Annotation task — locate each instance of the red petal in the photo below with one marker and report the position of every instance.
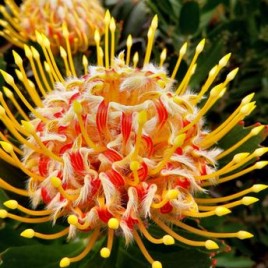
(162, 113)
(116, 179)
(45, 195)
(112, 155)
(77, 162)
(126, 125)
(101, 117)
(104, 214)
(167, 208)
(43, 165)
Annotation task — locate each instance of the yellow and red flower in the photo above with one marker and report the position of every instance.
(121, 147)
(80, 17)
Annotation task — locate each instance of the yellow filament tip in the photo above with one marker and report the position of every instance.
(244, 235)
(7, 146)
(11, 204)
(134, 165)
(142, 117)
(209, 244)
(28, 233)
(113, 223)
(72, 220)
(256, 130)
(179, 140)
(232, 74)
(172, 194)
(17, 58)
(239, 157)
(105, 252)
(259, 187)
(154, 22)
(168, 240)
(28, 126)
(77, 107)
(248, 200)
(200, 46)
(183, 49)
(3, 213)
(223, 61)
(65, 262)
(156, 264)
(220, 211)
(55, 181)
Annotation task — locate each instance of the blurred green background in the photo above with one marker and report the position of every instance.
(236, 26)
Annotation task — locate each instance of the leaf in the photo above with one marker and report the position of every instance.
(41, 256)
(230, 261)
(189, 18)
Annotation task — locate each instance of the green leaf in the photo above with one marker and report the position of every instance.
(189, 18)
(230, 261)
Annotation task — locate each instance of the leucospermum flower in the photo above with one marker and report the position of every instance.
(121, 147)
(80, 17)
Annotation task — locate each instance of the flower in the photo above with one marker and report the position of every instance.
(121, 147)
(81, 18)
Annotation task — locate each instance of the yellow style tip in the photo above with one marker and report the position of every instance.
(97, 36)
(113, 223)
(8, 78)
(172, 194)
(63, 52)
(200, 46)
(65, 262)
(17, 58)
(224, 60)
(239, 157)
(129, 40)
(112, 25)
(248, 98)
(221, 211)
(134, 165)
(259, 187)
(156, 264)
(179, 140)
(105, 252)
(183, 49)
(3, 213)
(28, 126)
(248, 200)
(77, 107)
(168, 240)
(11, 204)
(210, 245)
(6, 146)
(256, 130)
(154, 22)
(9, 94)
(261, 164)
(72, 220)
(107, 17)
(244, 235)
(55, 181)
(260, 151)
(28, 233)
(27, 51)
(232, 74)
(142, 117)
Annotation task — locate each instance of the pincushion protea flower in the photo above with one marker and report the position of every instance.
(80, 17)
(121, 147)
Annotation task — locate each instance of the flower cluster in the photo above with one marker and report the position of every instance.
(81, 18)
(121, 147)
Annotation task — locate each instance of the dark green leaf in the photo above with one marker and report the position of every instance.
(189, 18)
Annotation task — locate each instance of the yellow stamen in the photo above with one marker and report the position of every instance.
(150, 36)
(9, 94)
(30, 233)
(129, 45)
(211, 245)
(36, 57)
(184, 83)
(254, 132)
(67, 261)
(181, 54)
(56, 182)
(257, 165)
(142, 247)
(9, 149)
(9, 79)
(63, 55)
(4, 185)
(113, 223)
(135, 59)
(66, 36)
(13, 204)
(106, 251)
(31, 130)
(170, 195)
(240, 234)
(107, 19)
(29, 55)
(218, 211)
(5, 214)
(163, 57)
(112, 29)
(134, 166)
(78, 110)
(179, 140)
(255, 188)
(85, 64)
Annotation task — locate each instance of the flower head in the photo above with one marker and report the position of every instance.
(81, 18)
(121, 147)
